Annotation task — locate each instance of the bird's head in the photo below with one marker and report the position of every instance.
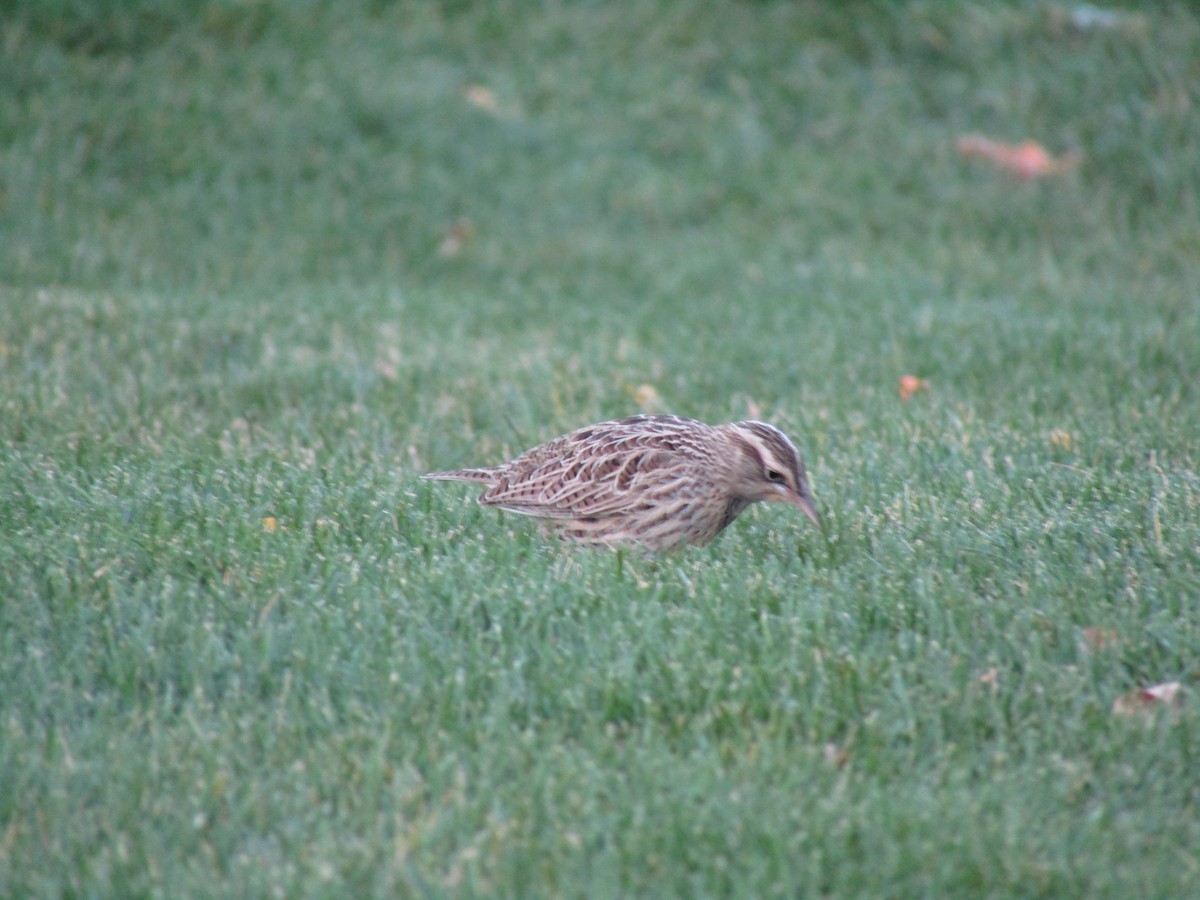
(769, 467)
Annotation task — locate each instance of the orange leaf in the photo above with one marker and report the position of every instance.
(1060, 440)
(1027, 160)
(647, 397)
(910, 384)
(269, 524)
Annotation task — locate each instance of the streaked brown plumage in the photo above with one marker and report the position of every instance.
(659, 481)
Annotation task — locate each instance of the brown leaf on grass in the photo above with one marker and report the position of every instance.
(910, 384)
(1094, 640)
(1060, 440)
(990, 677)
(1027, 160)
(485, 99)
(454, 239)
(647, 397)
(836, 756)
(1146, 702)
(269, 524)
(482, 97)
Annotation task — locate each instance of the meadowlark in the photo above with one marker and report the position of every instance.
(661, 482)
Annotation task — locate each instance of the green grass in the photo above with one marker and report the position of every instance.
(222, 305)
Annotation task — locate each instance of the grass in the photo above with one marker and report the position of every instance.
(243, 650)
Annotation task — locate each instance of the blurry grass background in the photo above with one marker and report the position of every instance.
(262, 263)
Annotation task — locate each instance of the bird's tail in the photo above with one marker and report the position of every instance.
(480, 476)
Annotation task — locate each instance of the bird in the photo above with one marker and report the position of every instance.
(659, 482)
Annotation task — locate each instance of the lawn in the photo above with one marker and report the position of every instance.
(263, 264)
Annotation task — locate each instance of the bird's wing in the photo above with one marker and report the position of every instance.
(582, 478)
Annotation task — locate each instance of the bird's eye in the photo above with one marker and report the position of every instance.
(775, 476)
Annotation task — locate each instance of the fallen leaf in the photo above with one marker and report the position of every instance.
(990, 677)
(269, 524)
(1147, 701)
(482, 97)
(1096, 639)
(1027, 160)
(910, 384)
(1060, 439)
(1167, 692)
(454, 239)
(647, 397)
(836, 756)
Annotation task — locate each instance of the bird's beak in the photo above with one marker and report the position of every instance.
(803, 501)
